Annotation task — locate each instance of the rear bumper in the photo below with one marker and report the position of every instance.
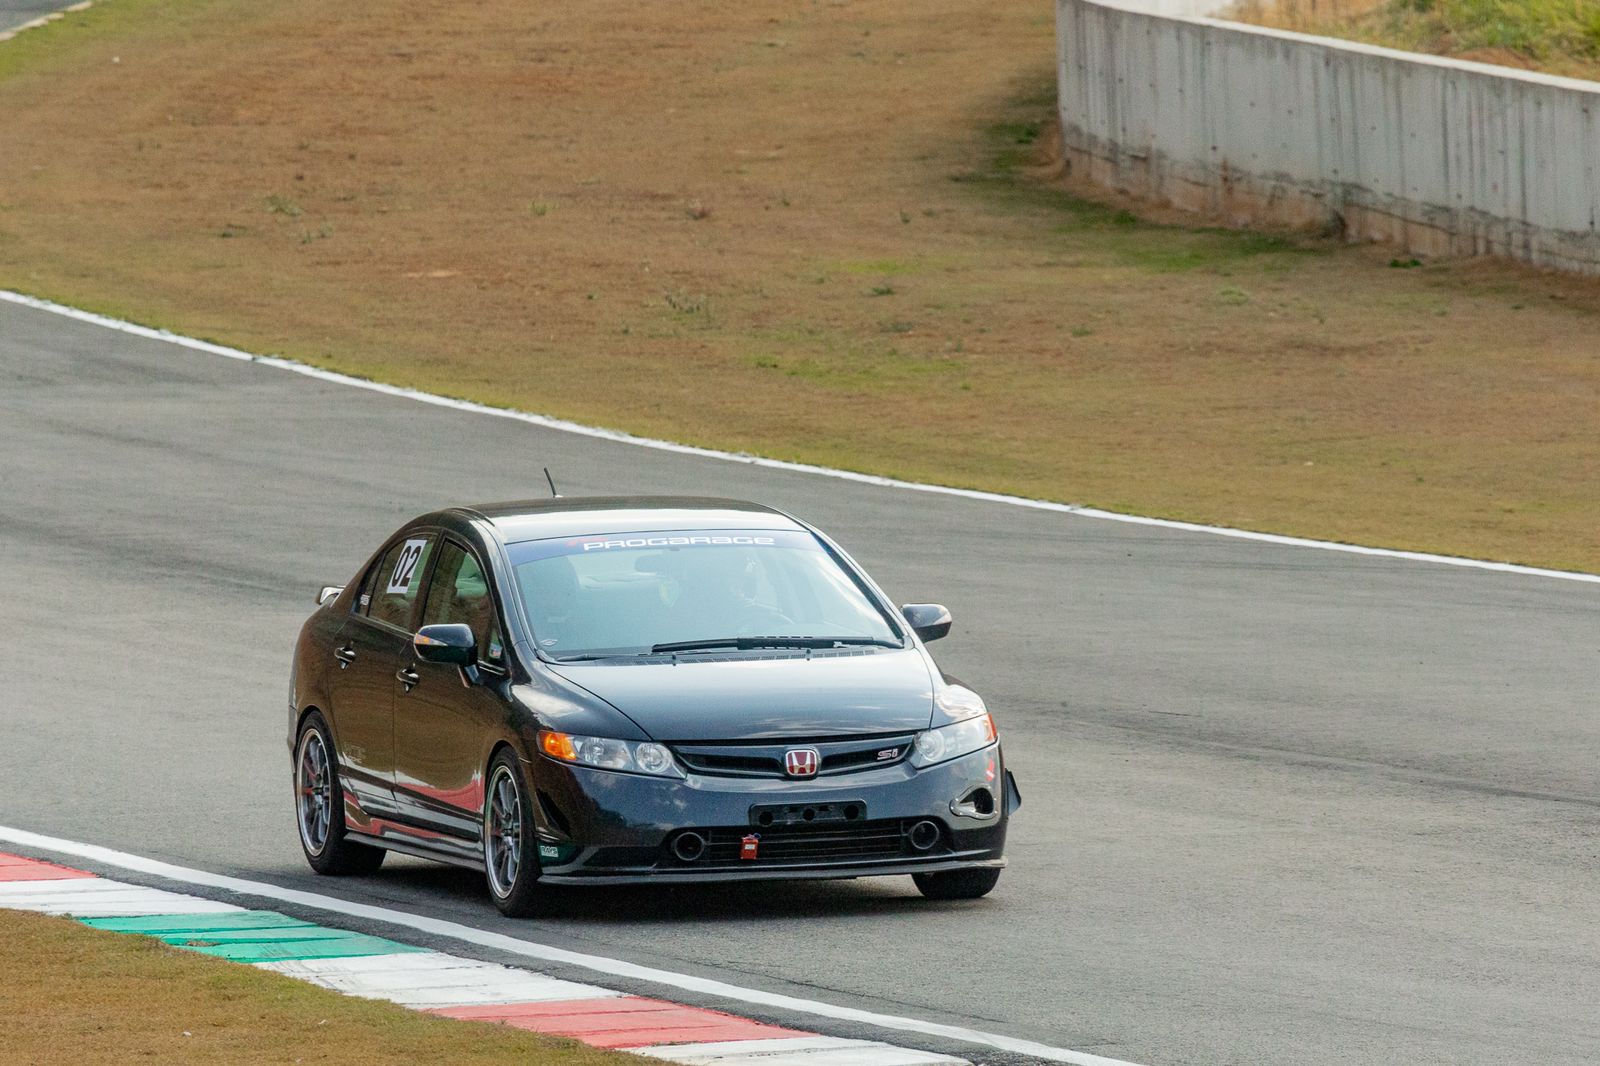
(599, 827)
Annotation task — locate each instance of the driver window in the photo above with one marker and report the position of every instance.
(460, 595)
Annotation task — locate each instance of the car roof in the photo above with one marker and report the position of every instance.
(571, 516)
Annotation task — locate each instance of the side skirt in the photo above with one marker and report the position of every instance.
(462, 854)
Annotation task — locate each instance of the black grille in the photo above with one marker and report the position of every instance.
(766, 760)
(791, 844)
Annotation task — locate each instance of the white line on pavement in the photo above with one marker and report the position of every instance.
(774, 464)
(43, 20)
(528, 949)
(796, 1051)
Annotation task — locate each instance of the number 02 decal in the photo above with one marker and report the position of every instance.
(406, 565)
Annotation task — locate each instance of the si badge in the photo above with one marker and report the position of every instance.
(750, 847)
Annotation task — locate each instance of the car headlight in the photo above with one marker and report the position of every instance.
(635, 757)
(953, 741)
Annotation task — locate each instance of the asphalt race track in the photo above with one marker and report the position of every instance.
(1283, 806)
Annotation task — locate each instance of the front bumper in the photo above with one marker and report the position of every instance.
(600, 827)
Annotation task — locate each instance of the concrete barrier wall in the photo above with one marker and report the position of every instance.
(1256, 125)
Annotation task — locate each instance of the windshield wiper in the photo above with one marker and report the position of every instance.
(748, 643)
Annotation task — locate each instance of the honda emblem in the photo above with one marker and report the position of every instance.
(801, 762)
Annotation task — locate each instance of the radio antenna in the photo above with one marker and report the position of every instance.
(553, 493)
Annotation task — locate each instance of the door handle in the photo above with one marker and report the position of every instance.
(408, 677)
(346, 655)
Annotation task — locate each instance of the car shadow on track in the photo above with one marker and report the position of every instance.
(674, 903)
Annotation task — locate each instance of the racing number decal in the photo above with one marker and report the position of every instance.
(406, 565)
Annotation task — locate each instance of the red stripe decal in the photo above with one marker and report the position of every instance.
(16, 868)
(622, 1021)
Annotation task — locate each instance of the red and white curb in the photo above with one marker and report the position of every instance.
(432, 980)
(30, 885)
(444, 984)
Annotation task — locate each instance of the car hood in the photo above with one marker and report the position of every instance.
(763, 697)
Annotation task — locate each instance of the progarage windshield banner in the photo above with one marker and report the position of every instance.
(529, 551)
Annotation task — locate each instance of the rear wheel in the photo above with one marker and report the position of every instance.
(958, 884)
(319, 806)
(510, 852)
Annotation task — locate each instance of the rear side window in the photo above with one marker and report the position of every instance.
(393, 596)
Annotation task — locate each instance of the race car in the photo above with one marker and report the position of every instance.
(619, 690)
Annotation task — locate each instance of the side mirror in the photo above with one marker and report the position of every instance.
(451, 644)
(327, 593)
(930, 620)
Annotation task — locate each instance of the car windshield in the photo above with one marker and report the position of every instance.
(631, 593)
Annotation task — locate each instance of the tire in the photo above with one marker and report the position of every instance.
(958, 884)
(319, 806)
(510, 848)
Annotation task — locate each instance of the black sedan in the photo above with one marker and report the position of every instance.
(615, 690)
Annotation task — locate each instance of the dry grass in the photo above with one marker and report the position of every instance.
(1301, 15)
(1557, 36)
(809, 230)
(75, 996)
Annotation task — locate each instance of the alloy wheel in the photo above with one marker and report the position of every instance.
(502, 832)
(314, 787)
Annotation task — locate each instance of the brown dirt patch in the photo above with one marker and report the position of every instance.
(801, 230)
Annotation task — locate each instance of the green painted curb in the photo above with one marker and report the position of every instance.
(347, 946)
(164, 924)
(252, 936)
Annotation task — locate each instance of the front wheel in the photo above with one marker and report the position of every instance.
(958, 884)
(510, 850)
(319, 807)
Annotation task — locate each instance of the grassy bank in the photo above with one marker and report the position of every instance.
(826, 233)
(1557, 36)
(76, 996)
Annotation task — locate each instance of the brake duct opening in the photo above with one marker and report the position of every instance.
(978, 802)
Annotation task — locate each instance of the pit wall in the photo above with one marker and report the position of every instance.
(1252, 125)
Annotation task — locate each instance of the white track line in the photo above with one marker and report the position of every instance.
(43, 20)
(527, 949)
(773, 464)
(797, 1051)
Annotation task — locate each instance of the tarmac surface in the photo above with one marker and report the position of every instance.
(1282, 805)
